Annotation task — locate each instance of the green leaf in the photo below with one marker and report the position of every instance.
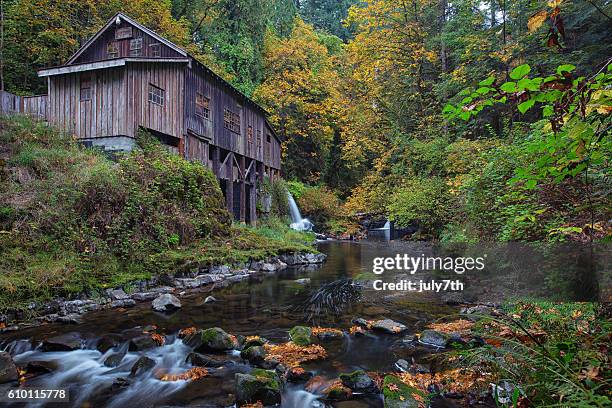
(530, 184)
(565, 68)
(520, 71)
(449, 109)
(528, 84)
(524, 106)
(487, 82)
(466, 100)
(465, 115)
(547, 111)
(483, 90)
(508, 87)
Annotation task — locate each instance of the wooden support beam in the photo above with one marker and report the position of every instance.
(253, 193)
(215, 161)
(229, 186)
(243, 196)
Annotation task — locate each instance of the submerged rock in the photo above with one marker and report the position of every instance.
(107, 342)
(433, 338)
(8, 370)
(114, 359)
(142, 343)
(216, 339)
(141, 366)
(397, 394)
(259, 385)
(388, 326)
(40, 367)
(203, 360)
(166, 303)
(359, 381)
(65, 342)
(301, 335)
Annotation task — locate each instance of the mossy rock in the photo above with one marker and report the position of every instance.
(338, 392)
(216, 339)
(434, 338)
(301, 335)
(399, 395)
(259, 385)
(254, 341)
(254, 354)
(359, 381)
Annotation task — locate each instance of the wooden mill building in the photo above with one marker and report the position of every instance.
(127, 77)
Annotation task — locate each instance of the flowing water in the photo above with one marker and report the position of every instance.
(267, 306)
(297, 221)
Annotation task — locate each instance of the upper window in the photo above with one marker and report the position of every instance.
(155, 50)
(112, 50)
(250, 135)
(231, 121)
(202, 106)
(123, 33)
(135, 47)
(268, 138)
(85, 88)
(156, 95)
(259, 140)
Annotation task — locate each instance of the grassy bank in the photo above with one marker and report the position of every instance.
(72, 220)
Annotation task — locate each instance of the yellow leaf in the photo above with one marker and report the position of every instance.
(536, 20)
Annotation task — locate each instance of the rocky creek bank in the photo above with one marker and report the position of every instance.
(163, 290)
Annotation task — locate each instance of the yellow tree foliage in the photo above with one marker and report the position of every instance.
(301, 90)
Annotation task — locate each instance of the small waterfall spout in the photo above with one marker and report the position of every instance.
(297, 222)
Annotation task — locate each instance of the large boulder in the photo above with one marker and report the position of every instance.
(388, 326)
(141, 366)
(358, 381)
(216, 339)
(8, 370)
(301, 335)
(259, 385)
(397, 394)
(64, 342)
(254, 354)
(107, 342)
(166, 303)
(114, 359)
(433, 338)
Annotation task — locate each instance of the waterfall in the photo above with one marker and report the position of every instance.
(297, 222)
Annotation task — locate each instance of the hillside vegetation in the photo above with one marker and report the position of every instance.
(73, 220)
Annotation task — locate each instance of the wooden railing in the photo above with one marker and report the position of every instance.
(35, 106)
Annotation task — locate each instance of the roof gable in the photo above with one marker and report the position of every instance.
(116, 20)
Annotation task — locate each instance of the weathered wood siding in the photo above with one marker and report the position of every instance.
(101, 115)
(139, 112)
(222, 97)
(196, 149)
(35, 106)
(98, 50)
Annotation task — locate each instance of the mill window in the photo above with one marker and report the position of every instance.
(136, 47)
(231, 121)
(155, 49)
(85, 89)
(156, 95)
(250, 135)
(112, 50)
(202, 106)
(123, 33)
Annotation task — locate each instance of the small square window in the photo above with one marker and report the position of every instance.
(85, 89)
(268, 138)
(250, 135)
(136, 47)
(112, 50)
(156, 95)
(155, 50)
(231, 121)
(202, 106)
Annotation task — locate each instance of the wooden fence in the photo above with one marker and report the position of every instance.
(35, 106)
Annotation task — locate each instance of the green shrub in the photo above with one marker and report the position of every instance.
(320, 205)
(425, 202)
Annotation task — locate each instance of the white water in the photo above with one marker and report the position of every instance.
(85, 374)
(297, 222)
